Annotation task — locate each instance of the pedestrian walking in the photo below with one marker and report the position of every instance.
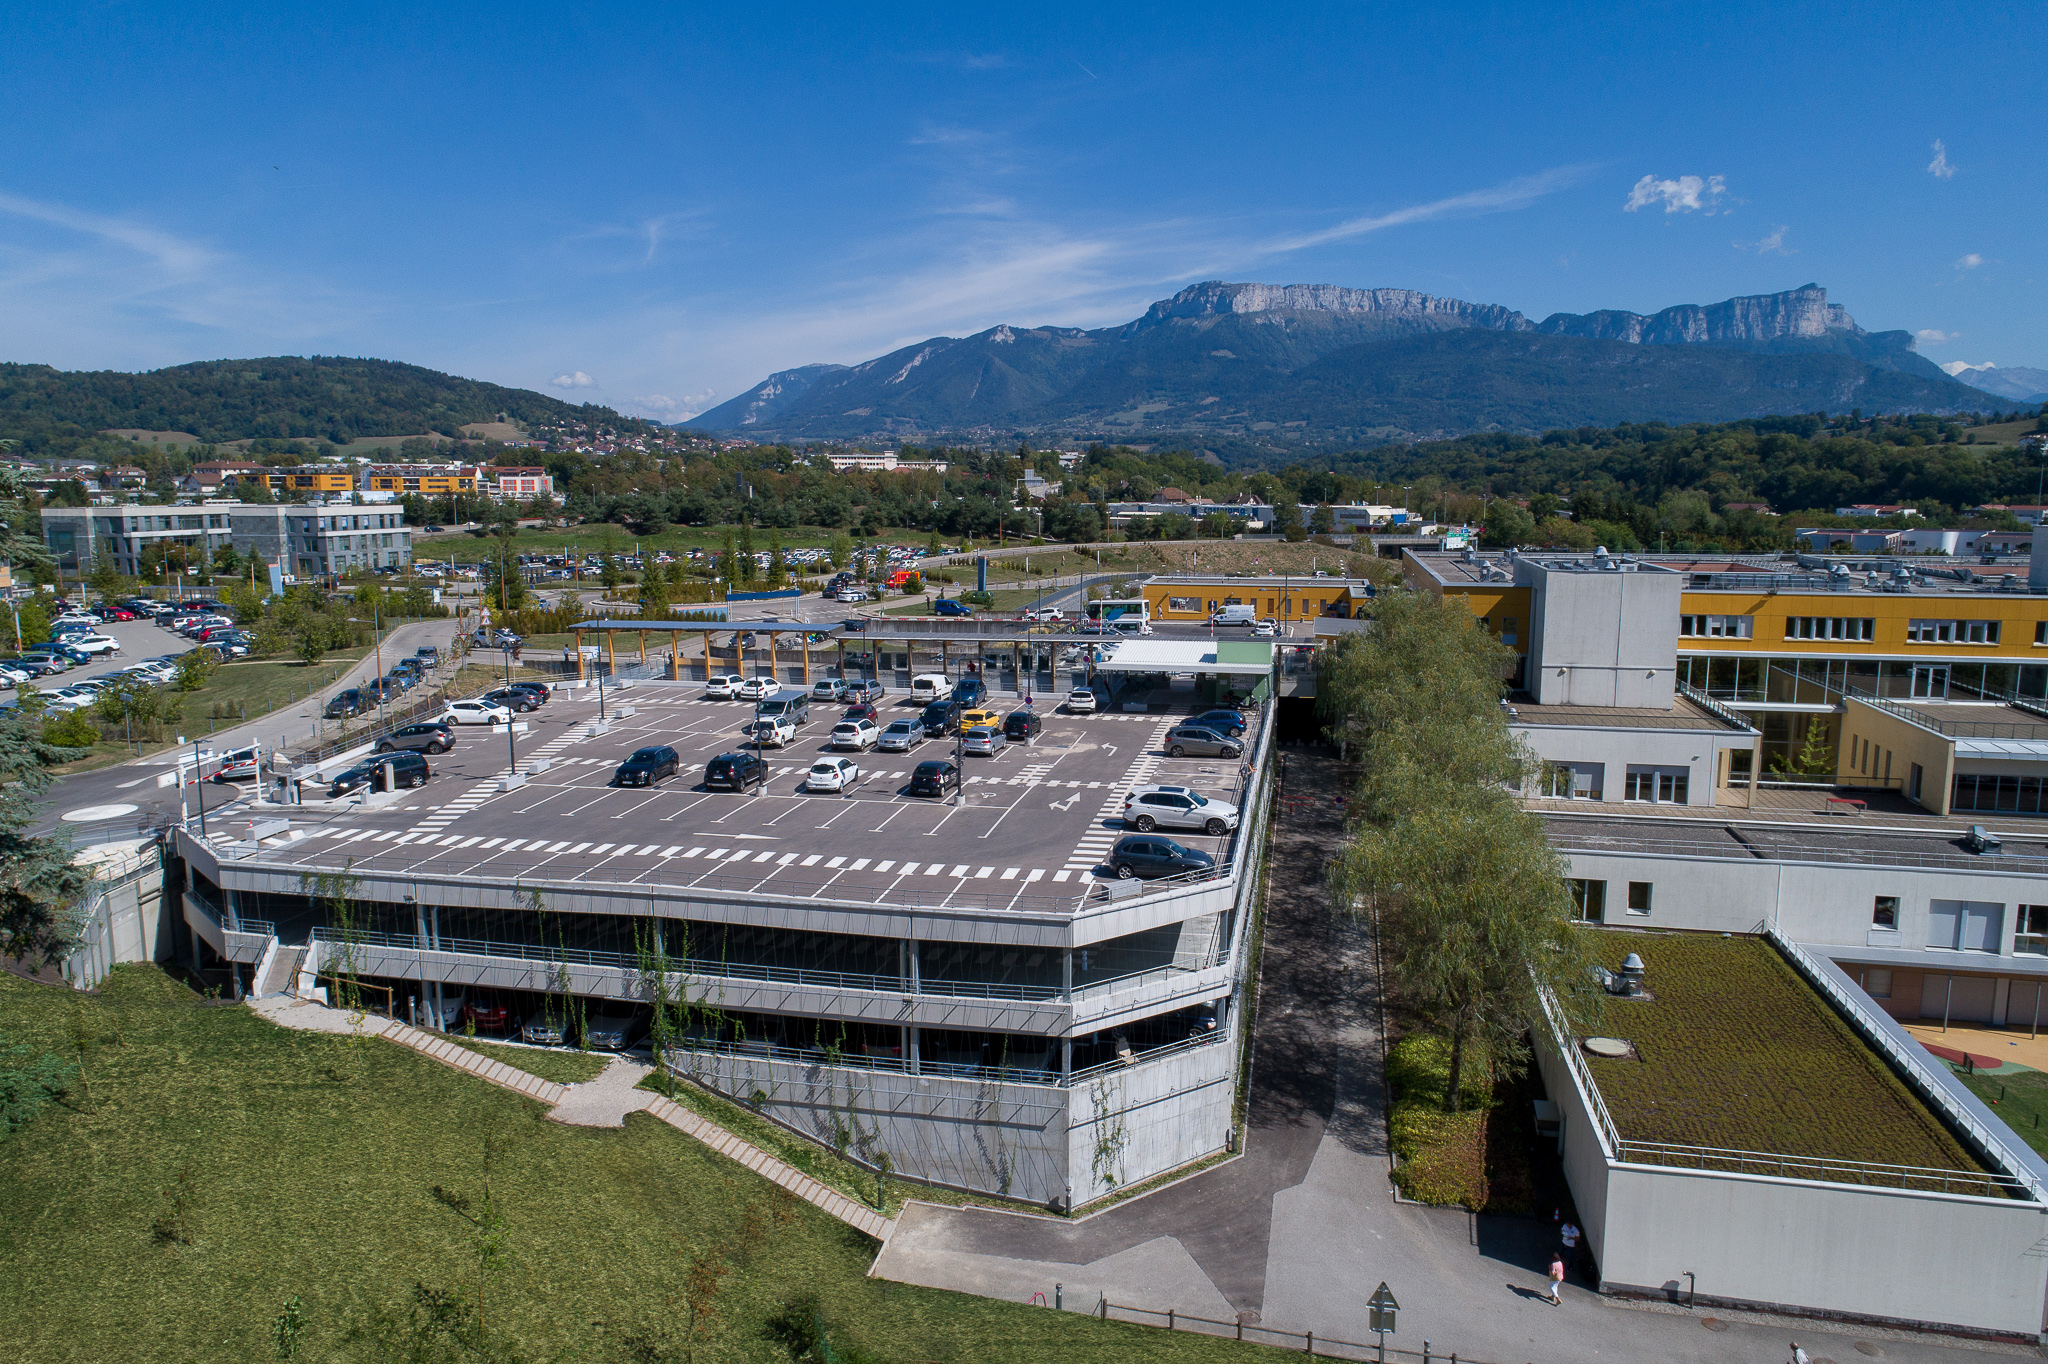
(1568, 1235)
(1800, 1356)
(1557, 1282)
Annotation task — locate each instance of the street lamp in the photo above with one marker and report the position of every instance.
(376, 624)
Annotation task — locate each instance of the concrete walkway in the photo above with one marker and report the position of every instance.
(1296, 1234)
(602, 1102)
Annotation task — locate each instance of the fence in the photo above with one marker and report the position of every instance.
(97, 950)
(1754, 845)
(1308, 1342)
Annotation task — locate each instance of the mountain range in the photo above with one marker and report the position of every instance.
(1240, 365)
(2016, 383)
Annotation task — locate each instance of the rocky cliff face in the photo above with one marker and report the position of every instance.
(1214, 298)
(1801, 312)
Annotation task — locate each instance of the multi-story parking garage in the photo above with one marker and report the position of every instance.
(959, 985)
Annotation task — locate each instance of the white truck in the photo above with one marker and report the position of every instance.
(1239, 614)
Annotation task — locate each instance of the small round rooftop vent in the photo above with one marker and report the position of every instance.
(1613, 1048)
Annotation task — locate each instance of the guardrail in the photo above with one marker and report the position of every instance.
(1905, 1056)
(1822, 1169)
(1567, 1046)
(1304, 1342)
(1726, 715)
(1956, 729)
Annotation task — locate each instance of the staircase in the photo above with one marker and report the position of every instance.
(283, 972)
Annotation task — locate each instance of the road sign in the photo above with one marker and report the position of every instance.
(1381, 1308)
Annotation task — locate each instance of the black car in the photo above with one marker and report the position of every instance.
(407, 769)
(1150, 855)
(1021, 725)
(347, 703)
(934, 778)
(381, 691)
(1228, 723)
(735, 772)
(541, 690)
(968, 691)
(941, 718)
(428, 737)
(648, 766)
(514, 699)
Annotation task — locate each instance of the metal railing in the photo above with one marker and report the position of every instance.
(1567, 1047)
(1303, 1342)
(1733, 718)
(819, 1056)
(1905, 1055)
(1758, 847)
(1139, 1058)
(1957, 729)
(1822, 1169)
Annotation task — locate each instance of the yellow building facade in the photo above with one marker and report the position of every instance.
(1194, 598)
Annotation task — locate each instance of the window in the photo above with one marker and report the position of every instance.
(1831, 627)
(1877, 982)
(1639, 897)
(1572, 781)
(1589, 900)
(1717, 627)
(1184, 603)
(1507, 629)
(2008, 795)
(2041, 632)
(1664, 785)
(1965, 925)
(1957, 632)
(1884, 912)
(2030, 930)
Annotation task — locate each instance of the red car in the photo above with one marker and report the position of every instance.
(862, 711)
(116, 613)
(488, 1014)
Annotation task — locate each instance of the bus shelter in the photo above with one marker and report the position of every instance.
(1155, 674)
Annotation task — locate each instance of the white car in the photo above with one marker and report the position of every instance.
(724, 687)
(831, 774)
(1177, 807)
(12, 677)
(1265, 629)
(155, 669)
(95, 644)
(756, 688)
(901, 736)
(859, 735)
(1045, 613)
(69, 698)
(850, 595)
(773, 731)
(1080, 701)
(477, 713)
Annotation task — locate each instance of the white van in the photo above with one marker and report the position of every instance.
(1243, 614)
(926, 688)
(1130, 627)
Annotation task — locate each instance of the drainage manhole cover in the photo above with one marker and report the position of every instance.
(1713, 1323)
(1870, 1348)
(87, 814)
(1607, 1046)
(1247, 1318)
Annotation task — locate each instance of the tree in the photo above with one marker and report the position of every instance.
(39, 887)
(1322, 521)
(1507, 524)
(1816, 756)
(654, 599)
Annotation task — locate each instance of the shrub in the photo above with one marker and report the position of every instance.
(75, 729)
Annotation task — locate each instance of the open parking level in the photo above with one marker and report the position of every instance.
(1031, 823)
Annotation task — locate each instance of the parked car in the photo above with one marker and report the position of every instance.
(95, 644)
(900, 736)
(868, 690)
(477, 712)
(1080, 701)
(773, 731)
(1045, 613)
(514, 699)
(724, 686)
(1228, 723)
(543, 1031)
(735, 772)
(485, 1013)
(940, 718)
(946, 606)
(934, 778)
(859, 735)
(648, 766)
(986, 739)
(1153, 856)
(862, 711)
(613, 1028)
(1021, 726)
(1177, 807)
(853, 594)
(976, 717)
(755, 688)
(929, 687)
(430, 736)
(380, 692)
(831, 774)
(407, 769)
(1199, 741)
(829, 689)
(429, 654)
(1265, 629)
(12, 676)
(969, 690)
(347, 703)
(542, 692)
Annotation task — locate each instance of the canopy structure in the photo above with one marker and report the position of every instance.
(1204, 657)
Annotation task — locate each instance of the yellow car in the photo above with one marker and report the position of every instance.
(980, 719)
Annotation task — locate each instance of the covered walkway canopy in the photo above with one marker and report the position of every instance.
(1212, 657)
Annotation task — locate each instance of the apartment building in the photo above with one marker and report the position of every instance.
(524, 481)
(429, 480)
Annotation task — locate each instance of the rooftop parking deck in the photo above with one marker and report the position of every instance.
(1028, 831)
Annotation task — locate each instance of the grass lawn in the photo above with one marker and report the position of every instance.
(563, 1067)
(1477, 1158)
(2021, 1098)
(1737, 1052)
(307, 1166)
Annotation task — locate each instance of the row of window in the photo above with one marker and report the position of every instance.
(2007, 795)
(1969, 925)
(1856, 629)
(1589, 900)
(1587, 781)
(1820, 681)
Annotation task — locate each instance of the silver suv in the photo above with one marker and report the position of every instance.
(1177, 807)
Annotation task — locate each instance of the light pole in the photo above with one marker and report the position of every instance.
(376, 624)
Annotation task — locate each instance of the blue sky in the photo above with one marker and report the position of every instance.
(653, 207)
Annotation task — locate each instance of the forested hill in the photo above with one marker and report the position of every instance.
(286, 397)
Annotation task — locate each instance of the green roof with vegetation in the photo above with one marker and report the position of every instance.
(1734, 1050)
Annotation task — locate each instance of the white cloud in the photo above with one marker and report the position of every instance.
(1774, 244)
(1969, 262)
(1931, 336)
(1955, 367)
(1686, 194)
(1512, 194)
(662, 407)
(573, 379)
(1939, 167)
